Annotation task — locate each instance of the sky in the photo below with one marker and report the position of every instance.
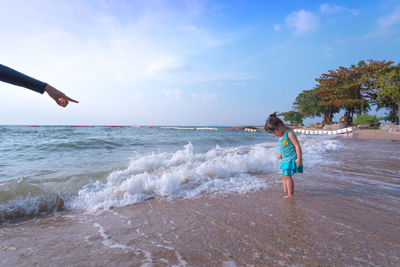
(183, 62)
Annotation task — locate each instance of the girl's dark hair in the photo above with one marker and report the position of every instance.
(273, 123)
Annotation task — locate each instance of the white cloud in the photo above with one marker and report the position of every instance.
(205, 95)
(331, 9)
(172, 93)
(390, 19)
(302, 21)
(204, 37)
(327, 8)
(385, 25)
(168, 64)
(137, 95)
(210, 95)
(277, 27)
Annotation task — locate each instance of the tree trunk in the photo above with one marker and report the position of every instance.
(398, 112)
(324, 117)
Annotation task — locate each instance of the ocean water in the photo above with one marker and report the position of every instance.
(52, 168)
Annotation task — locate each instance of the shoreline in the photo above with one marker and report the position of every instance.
(366, 134)
(347, 215)
(357, 133)
(315, 228)
(376, 135)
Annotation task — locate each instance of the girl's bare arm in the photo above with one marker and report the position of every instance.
(293, 138)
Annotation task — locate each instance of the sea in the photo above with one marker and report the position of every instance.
(194, 196)
(48, 169)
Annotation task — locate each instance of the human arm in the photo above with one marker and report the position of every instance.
(293, 139)
(279, 156)
(14, 77)
(58, 96)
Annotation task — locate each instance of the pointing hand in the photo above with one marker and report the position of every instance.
(58, 96)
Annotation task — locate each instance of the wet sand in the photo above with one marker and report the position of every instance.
(348, 214)
(376, 134)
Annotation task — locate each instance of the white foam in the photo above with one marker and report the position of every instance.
(185, 174)
(314, 148)
(181, 174)
(107, 240)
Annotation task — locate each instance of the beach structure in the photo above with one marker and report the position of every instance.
(340, 131)
(250, 130)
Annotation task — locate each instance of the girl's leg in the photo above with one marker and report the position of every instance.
(289, 185)
(284, 184)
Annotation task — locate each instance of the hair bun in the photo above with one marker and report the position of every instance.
(273, 115)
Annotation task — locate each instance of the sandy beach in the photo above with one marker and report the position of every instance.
(376, 134)
(348, 215)
(358, 133)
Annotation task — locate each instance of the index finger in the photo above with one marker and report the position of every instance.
(72, 100)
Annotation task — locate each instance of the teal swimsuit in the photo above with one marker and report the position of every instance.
(289, 156)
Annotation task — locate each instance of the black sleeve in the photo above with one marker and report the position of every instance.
(9, 75)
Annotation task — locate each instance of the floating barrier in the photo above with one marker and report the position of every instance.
(250, 130)
(178, 128)
(207, 129)
(340, 131)
(190, 128)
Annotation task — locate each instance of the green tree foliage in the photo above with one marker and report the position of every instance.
(308, 103)
(387, 80)
(341, 88)
(353, 89)
(392, 115)
(328, 108)
(293, 117)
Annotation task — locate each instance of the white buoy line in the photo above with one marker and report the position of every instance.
(340, 131)
(303, 131)
(191, 128)
(250, 130)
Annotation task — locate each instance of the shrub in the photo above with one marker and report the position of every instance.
(366, 118)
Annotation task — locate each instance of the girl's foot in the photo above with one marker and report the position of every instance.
(288, 196)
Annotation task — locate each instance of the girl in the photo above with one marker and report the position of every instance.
(289, 152)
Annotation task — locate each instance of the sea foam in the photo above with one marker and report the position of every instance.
(183, 174)
(179, 174)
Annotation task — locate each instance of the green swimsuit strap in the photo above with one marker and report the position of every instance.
(287, 132)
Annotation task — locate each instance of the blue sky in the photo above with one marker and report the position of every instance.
(182, 62)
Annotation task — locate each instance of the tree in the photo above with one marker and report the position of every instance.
(294, 117)
(328, 107)
(388, 84)
(308, 103)
(371, 74)
(353, 89)
(341, 88)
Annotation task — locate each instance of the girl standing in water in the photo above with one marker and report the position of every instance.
(289, 152)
